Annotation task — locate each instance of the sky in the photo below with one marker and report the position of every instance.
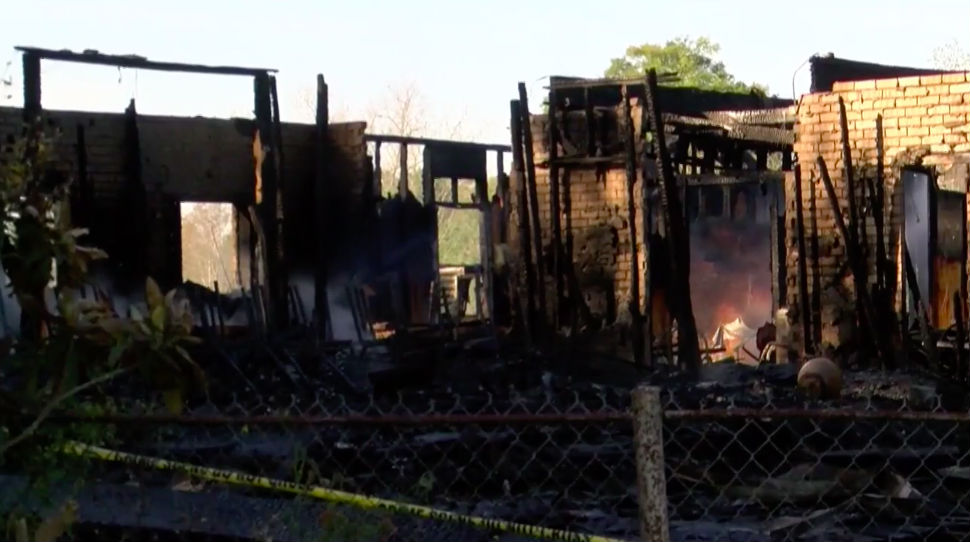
(464, 57)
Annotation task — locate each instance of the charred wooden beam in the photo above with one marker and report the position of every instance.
(502, 189)
(378, 172)
(853, 253)
(276, 306)
(530, 177)
(631, 181)
(676, 235)
(803, 302)
(646, 204)
(382, 138)
(32, 106)
(848, 177)
(320, 218)
(816, 269)
(922, 311)
(139, 251)
(554, 211)
(281, 287)
(856, 227)
(402, 175)
(525, 233)
(885, 276)
(778, 115)
(589, 160)
(731, 177)
(133, 61)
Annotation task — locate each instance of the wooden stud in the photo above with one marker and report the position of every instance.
(631, 180)
(689, 349)
(321, 303)
(856, 263)
(530, 178)
(803, 302)
(402, 177)
(554, 211)
(527, 301)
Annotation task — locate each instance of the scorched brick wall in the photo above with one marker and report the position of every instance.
(595, 230)
(925, 122)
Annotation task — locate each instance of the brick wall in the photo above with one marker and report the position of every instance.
(209, 160)
(925, 121)
(595, 230)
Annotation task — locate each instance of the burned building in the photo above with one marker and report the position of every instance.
(587, 160)
(310, 226)
(904, 139)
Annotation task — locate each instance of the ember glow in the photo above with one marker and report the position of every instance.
(730, 275)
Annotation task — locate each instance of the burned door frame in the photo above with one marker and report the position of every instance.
(912, 240)
(930, 283)
(458, 161)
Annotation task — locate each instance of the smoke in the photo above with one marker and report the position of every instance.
(730, 271)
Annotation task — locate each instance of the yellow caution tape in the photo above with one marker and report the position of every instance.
(331, 495)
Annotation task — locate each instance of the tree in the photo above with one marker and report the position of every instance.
(951, 56)
(208, 245)
(693, 61)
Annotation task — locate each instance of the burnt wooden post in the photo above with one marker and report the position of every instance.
(922, 312)
(649, 451)
(646, 203)
(556, 252)
(139, 249)
(816, 270)
(631, 181)
(855, 229)
(320, 300)
(856, 226)
(502, 189)
(522, 202)
(530, 178)
(267, 207)
(803, 302)
(32, 106)
(856, 263)
(283, 273)
(688, 348)
(402, 178)
(378, 173)
(883, 269)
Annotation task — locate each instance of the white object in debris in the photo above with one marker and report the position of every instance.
(733, 336)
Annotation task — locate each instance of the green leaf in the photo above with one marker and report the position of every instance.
(158, 317)
(153, 294)
(173, 400)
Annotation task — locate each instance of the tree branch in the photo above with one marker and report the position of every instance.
(47, 410)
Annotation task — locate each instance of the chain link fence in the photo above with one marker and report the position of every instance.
(755, 464)
(852, 473)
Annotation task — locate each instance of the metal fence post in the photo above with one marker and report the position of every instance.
(651, 482)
